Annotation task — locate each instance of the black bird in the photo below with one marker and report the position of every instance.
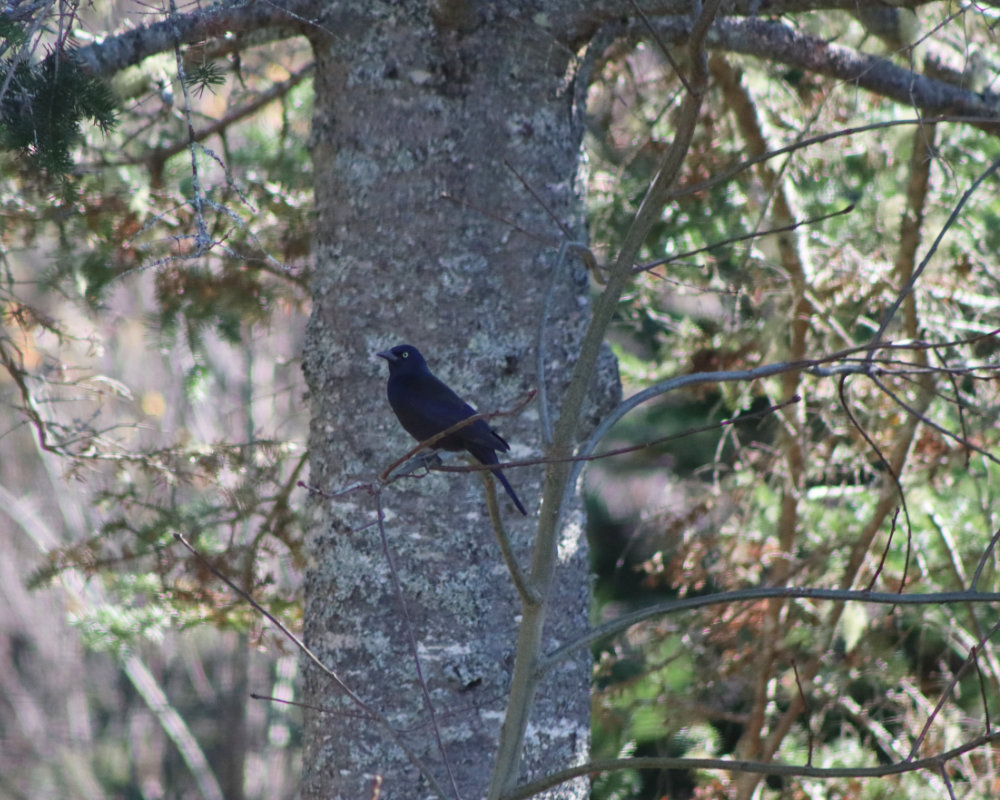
(425, 406)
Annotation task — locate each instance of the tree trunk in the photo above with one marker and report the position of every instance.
(424, 120)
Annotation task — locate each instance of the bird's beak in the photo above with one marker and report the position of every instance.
(388, 356)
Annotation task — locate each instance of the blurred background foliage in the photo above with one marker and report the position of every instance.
(152, 330)
(154, 296)
(798, 497)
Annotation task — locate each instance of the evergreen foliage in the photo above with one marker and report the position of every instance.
(46, 105)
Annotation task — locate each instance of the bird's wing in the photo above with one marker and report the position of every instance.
(426, 405)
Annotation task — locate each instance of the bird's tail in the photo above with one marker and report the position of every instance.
(510, 490)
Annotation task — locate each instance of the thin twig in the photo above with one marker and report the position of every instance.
(952, 217)
(733, 240)
(530, 462)
(842, 394)
(538, 199)
(885, 552)
(943, 772)
(545, 417)
(547, 241)
(605, 765)
(528, 595)
(805, 705)
(736, 169)
(982, 690)
(372, 712)
(662, 45)
(983, 559)
(948, 692)
(931, 423)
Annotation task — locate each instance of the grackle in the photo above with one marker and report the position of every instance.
(425, 406)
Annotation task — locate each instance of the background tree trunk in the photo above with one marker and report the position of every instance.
(410, 107)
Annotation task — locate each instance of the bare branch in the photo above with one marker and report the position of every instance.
(764, 593)
(778, 42)
(756, 767)
(115, 53)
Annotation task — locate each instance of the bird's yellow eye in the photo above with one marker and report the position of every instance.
(404, 354)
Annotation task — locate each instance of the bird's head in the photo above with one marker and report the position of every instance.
(403, 358)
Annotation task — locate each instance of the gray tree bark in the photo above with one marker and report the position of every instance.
(422, 118)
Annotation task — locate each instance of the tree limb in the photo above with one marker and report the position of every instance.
(115, 53)
(780, 43)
